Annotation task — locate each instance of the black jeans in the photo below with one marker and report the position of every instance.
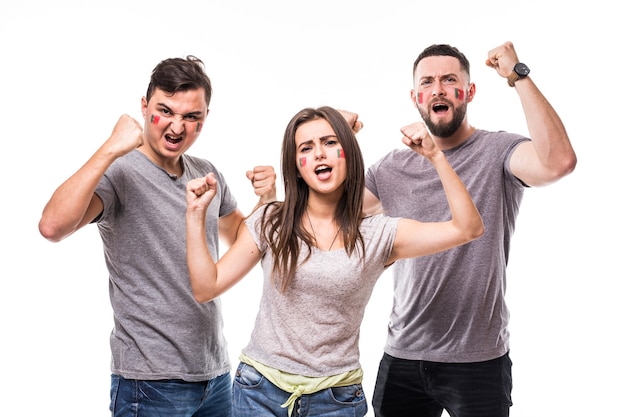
(411, 388)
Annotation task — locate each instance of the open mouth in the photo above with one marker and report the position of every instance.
(322, 169)
(440, 108)
(173, 139)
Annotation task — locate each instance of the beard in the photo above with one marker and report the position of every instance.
(443, 129)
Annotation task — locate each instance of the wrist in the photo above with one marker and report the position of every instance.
(437, 157)
(519, 72)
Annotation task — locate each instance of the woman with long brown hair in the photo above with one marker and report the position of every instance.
(321, 257)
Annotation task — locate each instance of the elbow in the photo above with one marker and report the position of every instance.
(554, 172)
(201, 298)
(470, 231)
(204, 298)
(50, 232)
(566, 166)
(476, 232)
(203, 286)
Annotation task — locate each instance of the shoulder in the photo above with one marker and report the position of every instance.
(262, 212)
(486, 137)
(488, 145)
(129, 164)
(133, 158)
(196, 162)
(198, 167)
(396, 158)
(397, 154)
(377, 222)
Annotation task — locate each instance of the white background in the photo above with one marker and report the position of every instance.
(69, 69)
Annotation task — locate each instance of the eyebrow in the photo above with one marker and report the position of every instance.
(192, 113)
(321, 138)
(431, 77)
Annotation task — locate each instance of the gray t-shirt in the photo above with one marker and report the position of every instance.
(450, 307)
(312, 329)
(160, 331)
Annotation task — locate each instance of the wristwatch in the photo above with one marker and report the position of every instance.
(519, 71)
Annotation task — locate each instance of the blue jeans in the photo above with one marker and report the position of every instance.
(255, 396)
(424, 389)
(171, 398)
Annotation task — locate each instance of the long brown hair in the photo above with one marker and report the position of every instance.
(282, 227)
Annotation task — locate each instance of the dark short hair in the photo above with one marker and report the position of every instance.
(443, 50)
(180, 74)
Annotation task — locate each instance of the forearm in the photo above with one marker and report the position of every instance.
(465, 215)
(263, 179)
(69, 207)
(202, 268)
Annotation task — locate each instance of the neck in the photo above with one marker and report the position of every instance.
(326, 229)
(171, 165)
(322, 206)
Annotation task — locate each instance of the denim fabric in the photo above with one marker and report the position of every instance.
(171, 398)
(255, 396)
(425, 389)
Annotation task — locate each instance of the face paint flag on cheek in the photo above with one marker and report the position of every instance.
(154, 119)
(460, 94)
(198, 127)
(340, 153)
(302, 162)
(420, 98)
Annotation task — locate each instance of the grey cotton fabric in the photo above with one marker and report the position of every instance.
(160, 331)
(450, 307)
(312, 329)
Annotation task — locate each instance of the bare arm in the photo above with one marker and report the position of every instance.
(74, 203)
(208, 278)
(371, 204)
(414, 238)
(229, 226)
(550, 155)
(263, 179)
(353, 120)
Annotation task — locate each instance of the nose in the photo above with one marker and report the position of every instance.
(320, 153)
(438, 89)
(178, 125)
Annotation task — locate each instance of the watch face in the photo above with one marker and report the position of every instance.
(521, 69)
